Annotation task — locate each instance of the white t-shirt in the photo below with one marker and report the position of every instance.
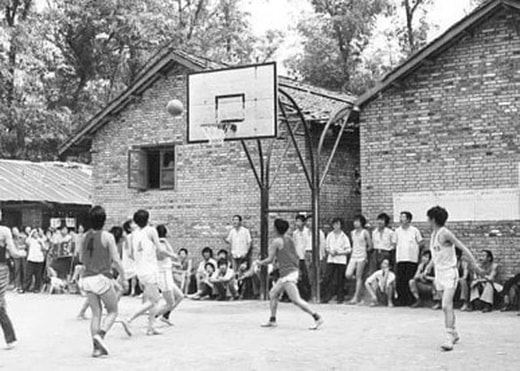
(407, 244)
(383, 240)
(35, 254)
(240, 241)
(144, 253)
(338, 242)
(302, 241)
(382, 279)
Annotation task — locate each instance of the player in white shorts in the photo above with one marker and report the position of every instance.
(144, 247)
(172, 294)
(444, 259)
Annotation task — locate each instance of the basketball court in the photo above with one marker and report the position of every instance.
(227, 336)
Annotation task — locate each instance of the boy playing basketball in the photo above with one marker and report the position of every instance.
(283, 250)
(444, 259)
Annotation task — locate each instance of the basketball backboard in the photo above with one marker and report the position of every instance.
(239, 102)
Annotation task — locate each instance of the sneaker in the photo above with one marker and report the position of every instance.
(96, 353)
(100, 344)
(317, 324)
(270, 324)
(126, 327)
(436, 306)
(448, 343)
(417, 304)
(11, 345)
(166, 320)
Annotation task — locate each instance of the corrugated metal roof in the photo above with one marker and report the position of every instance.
(58, 182)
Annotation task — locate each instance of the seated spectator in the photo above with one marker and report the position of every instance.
(337, 246)
(381, 285)
(224, 281)
(206, 286)
(248, 281)
(483, 287)
(511, 294)
(222, 254)
(422, 282)
(207, 257)
(464, 280)
(182, 275)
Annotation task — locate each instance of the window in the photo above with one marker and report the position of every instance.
(151, 167)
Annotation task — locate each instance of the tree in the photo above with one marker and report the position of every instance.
(415, 36)
(334, 39)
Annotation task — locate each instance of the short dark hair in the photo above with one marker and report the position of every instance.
(141, 218)
(362, 220)
(222, 262)
(408, 215)
(300, 217)
(385, 218)
(438, 214)
(117, 232)
(489, 255)
(223, 251)
(97, 217)
(427, 252)
(337, 220)
(127, 226)
(183, 249)
(161, 230)
(210, 264)
(281, 226)
(239, 217)
(207, 250)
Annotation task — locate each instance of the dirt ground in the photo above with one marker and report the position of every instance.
(226, 336)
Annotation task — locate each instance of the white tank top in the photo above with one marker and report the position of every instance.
(359, 245)
(144, 253)
(444, 257)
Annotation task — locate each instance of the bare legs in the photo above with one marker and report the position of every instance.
(359, 268)
(151, 297)
(98, 328)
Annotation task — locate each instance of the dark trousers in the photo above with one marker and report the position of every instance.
(33, 270)
(5, 322)
(334, 283)
(19, 272)
(304, 285)
(404, 273)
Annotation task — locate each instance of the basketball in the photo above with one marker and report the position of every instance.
(175, 107)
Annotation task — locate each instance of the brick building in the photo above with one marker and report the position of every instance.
(140, 159)
(444, 128)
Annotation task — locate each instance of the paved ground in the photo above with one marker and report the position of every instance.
(226, 336)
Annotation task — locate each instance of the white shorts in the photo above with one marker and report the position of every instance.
(446, 279)
(148, 279)
(353, 266)
(166, 281)
(97, 285)
(290, 279)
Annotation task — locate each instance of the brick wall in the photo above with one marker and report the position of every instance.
(453, 124)
(213, 182)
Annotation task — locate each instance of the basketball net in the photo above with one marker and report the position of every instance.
(216, 133)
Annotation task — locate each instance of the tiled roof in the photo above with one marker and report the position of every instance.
(56, 182)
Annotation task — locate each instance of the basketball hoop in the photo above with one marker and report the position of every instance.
(215, 133)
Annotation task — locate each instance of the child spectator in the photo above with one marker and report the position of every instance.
(222, 254)
(182, 275)
(337, 246)
(381, 285)
(200, 274)
(422, 282)
(224, 281)
(206, 286)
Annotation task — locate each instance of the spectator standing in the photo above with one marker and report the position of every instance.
(361, 245)
(239, 239)
(383, 240)
(407, 242)
(20, 262)
(302, 242)
(35, 260)
(337, 247)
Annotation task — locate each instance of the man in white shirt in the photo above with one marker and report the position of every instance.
(337, 248)
(302, 238)
(224, 280)
(383, 240)
(408, 240)
(381, 285)
(35, 260)
(239, 240)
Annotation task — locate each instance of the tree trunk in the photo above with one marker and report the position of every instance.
(409, 25)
